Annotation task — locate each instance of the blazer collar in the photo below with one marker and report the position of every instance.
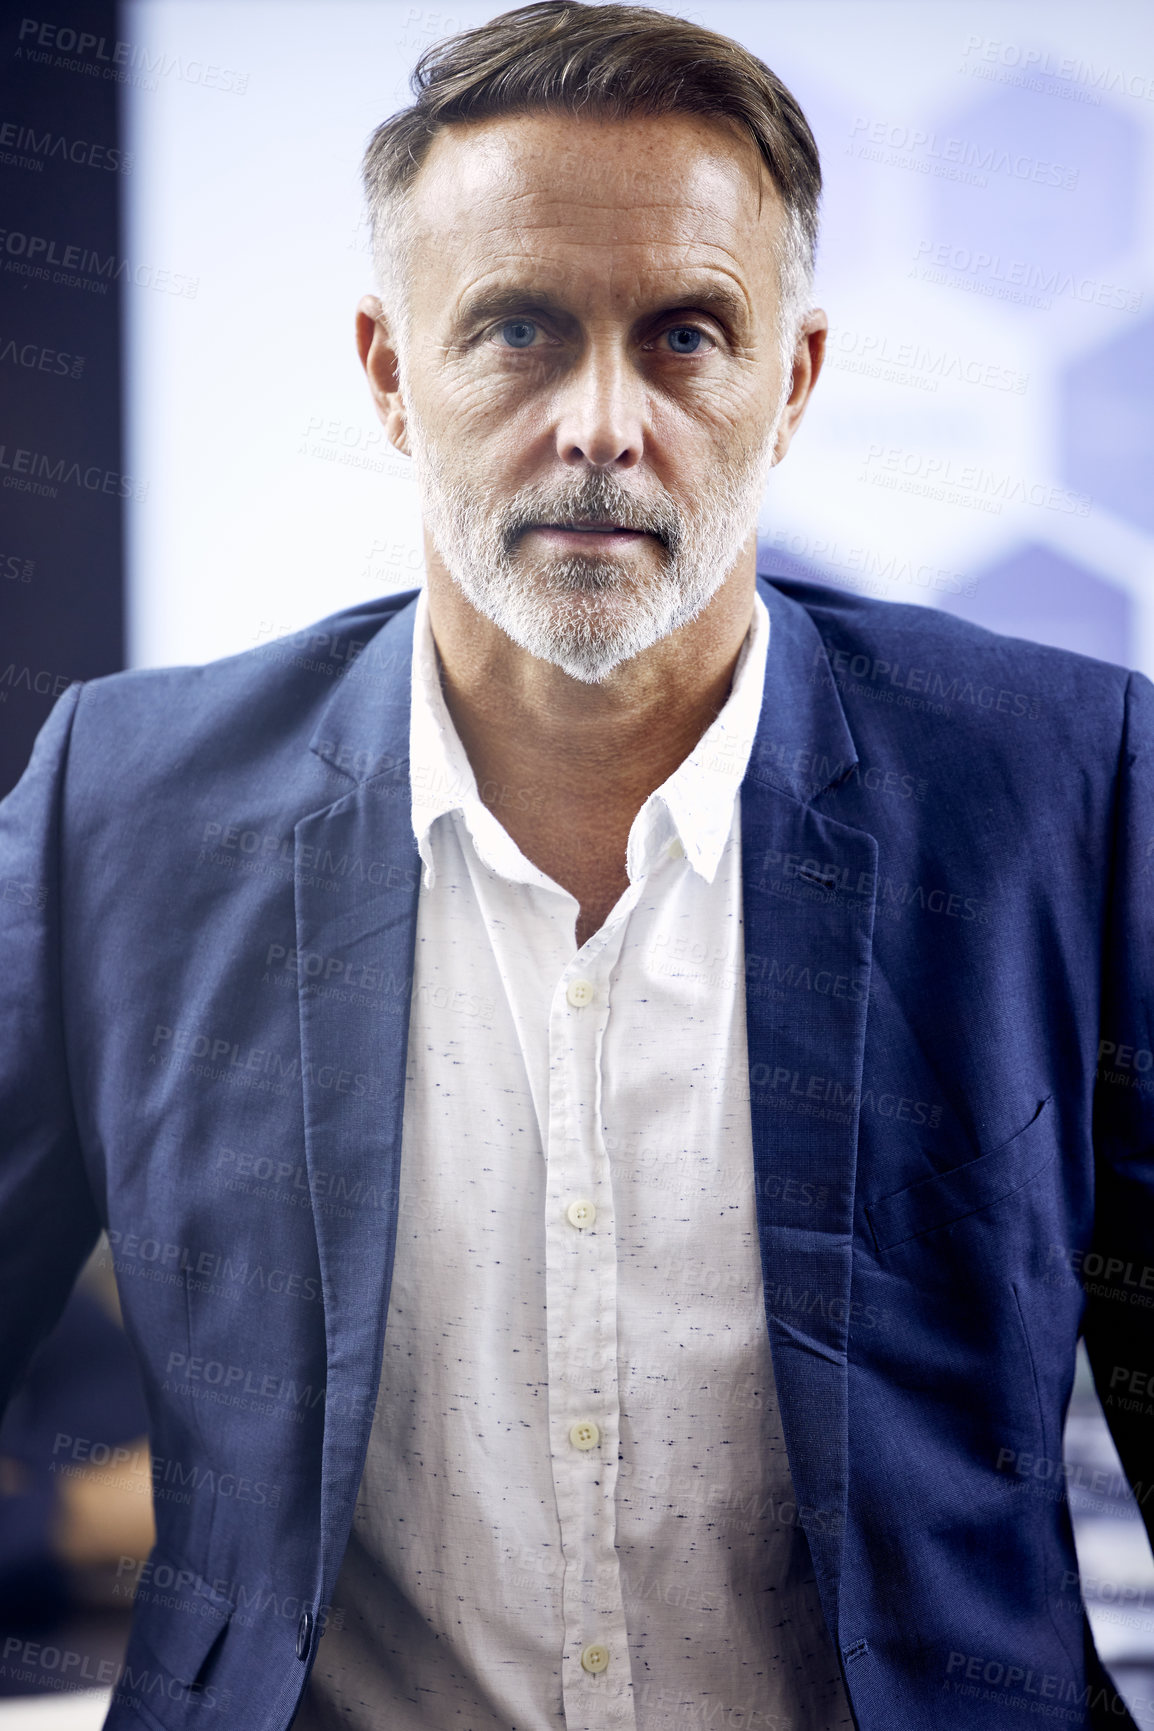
(803, 744)
(364, 729)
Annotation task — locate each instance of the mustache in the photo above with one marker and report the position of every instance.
(598, 498)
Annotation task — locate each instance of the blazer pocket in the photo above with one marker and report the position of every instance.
(182, 1634)
(946, 1197)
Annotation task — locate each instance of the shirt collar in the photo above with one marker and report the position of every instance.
(698, 799)
(441, 775)
(693, 807)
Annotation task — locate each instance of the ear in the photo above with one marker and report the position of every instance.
(379, 359)
(807, 363)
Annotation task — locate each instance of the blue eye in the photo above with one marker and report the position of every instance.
(519, 333)
(684, 340)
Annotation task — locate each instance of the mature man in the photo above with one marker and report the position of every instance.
(589, 1072)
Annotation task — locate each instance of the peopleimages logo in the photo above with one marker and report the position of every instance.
(1041, 69)
(43, 473)
(903, 146)
(1017, 280)
(70, 50)
(36, 255)
(80, 151)
(37, 357)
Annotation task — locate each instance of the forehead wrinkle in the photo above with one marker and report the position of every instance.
(540, 209)
(673, 252)
(473, 175)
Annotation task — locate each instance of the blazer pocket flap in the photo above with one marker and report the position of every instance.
(945, 1197)
(182, 1632)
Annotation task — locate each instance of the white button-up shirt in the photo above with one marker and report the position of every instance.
(576, 1508)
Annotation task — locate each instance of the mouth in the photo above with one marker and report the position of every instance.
(591, 535)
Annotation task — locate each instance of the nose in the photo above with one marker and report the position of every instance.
(601, 419)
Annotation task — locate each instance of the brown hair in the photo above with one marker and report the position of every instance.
(606, 60)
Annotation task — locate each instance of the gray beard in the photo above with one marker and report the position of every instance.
(583, 613)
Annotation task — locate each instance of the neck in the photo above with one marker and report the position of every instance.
(565, 766)
(527, 725)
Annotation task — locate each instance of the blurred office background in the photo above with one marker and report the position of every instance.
(981, 439)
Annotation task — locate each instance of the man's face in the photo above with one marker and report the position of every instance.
(592, 382)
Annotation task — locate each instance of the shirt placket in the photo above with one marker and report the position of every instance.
(581, 1302)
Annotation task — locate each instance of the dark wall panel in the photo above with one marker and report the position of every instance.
(61, 269)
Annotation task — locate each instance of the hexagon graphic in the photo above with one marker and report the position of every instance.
(1037, 593)
(1060, 181)
(1107, 424)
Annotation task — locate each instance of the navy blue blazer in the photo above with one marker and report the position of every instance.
(208, 883)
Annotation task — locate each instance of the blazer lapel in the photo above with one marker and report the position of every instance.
(809, 885)
(357, 882)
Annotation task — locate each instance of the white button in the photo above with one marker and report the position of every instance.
(595, 1658)
(584, 1435)
(581, 1214)
(580, 993)
(676, 850)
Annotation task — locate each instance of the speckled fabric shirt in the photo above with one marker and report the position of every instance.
(576, 1508)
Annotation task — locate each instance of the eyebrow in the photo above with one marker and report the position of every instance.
(491, 302)
(727, 305)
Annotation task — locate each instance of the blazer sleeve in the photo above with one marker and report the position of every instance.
(1118, 1272)
(48, 1219)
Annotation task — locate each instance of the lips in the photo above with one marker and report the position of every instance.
(585, 529)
